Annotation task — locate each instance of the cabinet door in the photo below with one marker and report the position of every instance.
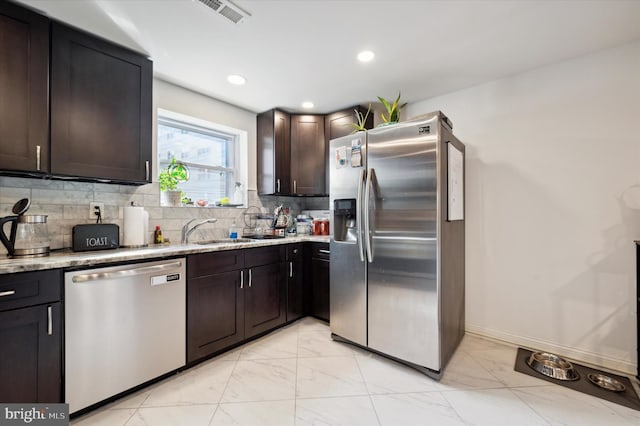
(31, 354)
(264, 299)
(294, 270)
(24, 73)
(307, 155)
(215, 313)
(319, 291)
(273, 144)
(100, 109)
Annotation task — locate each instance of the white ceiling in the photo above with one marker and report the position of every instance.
(292, 51)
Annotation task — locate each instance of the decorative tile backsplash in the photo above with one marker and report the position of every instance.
(66, 204)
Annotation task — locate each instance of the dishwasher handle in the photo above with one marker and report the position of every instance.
(125, 273)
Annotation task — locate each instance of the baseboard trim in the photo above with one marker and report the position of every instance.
(579, 355)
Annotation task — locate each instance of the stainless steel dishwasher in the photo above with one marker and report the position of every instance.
(124, 325)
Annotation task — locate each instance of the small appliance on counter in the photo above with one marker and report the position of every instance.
(28, 236)
(95, 236)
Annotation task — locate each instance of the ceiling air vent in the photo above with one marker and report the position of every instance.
(227, 9)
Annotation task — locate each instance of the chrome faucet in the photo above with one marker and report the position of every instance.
(186, 231)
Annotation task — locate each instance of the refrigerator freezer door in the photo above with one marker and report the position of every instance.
(403, 297)
(348, 289)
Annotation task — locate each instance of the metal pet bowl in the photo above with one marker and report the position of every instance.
(552, 366)
(606, 382)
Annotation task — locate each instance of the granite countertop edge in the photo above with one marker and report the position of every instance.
(69, 259)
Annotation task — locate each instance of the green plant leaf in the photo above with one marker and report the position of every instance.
(385, 103)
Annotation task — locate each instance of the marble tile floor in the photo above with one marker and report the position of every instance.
(298, 376)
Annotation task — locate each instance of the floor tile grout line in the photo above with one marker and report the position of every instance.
(544, 419)
(366, 385)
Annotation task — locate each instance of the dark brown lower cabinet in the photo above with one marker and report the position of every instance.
(232, 296)
(294, 272)
(215, 314)
(264, 307)
(319, 281)
(31, 337)
(31, 354)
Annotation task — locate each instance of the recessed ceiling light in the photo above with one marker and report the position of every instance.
(366, 56)
(307, 105)
(238, 80)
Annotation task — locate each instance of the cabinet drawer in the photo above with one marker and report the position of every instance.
(320, 250)
(30, 288)
(201, 265)
(263, 256)
(294, 252)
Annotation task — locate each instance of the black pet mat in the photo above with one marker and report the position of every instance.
(628, 398)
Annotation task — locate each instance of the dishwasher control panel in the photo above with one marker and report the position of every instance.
(163, 279)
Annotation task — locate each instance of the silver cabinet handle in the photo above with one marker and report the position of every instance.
(290, 269)
(324, 251)
(249, 278)
(241, 279)
(359, 215)
(132, 271)
(49, 320)
(295, 186)
(7, 293)
(38, 157)
(367, 225)
(146, 169)
(278, 185)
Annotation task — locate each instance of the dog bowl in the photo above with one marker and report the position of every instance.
(552, 366)
(606, 382)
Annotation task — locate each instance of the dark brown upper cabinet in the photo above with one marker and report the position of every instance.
(339, 124)
(274, 152)
(307, 155)
(293, 150)
(24, 72)
(100, 109)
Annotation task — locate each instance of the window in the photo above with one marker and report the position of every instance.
(211, 152)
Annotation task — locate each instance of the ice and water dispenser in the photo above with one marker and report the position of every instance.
(345, 226)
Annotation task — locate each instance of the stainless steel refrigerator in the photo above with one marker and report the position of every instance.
(397, 244)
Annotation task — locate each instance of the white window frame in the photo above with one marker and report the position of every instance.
(208, 127)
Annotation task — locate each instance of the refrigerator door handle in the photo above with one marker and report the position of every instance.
(367, 224)
(359, 214)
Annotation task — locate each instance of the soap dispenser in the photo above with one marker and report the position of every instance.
(233, 231)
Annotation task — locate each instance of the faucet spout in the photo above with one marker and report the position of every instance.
(186, 231)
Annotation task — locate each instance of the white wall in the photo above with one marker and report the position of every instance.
(178, 99)
(553, 205)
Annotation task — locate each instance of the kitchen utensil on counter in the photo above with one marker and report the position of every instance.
(28, 235)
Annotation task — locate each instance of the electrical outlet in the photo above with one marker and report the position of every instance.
(93, 210)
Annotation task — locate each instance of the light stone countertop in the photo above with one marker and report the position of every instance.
(68, 258)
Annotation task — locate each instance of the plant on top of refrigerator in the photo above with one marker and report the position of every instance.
(361, 125)
(393, 109)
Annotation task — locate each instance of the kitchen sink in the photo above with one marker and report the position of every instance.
(264, 237)
(223, 241)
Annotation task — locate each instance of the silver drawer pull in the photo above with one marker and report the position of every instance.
(49, 320)
(249, 278)
(8, 293)
(241, 279)
(324, 251)
(290, 269)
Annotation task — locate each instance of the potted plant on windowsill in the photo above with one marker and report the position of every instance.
(169, 178)
(393, 111)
